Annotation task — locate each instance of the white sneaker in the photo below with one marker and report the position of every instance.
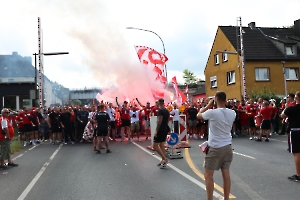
(195, 136)
(139, 140)
(188, 136)
(50, 140)
(33, 143)
(251, 138)
(73, 142)
(110, 138)
(25, 143)
(201, 137)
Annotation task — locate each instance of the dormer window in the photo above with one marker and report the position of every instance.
(291, 50)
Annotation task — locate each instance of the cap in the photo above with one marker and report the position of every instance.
(33, 108)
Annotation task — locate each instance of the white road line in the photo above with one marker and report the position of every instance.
(278, 140)
(18, 156)
(36, 178)
(217, 195)
(240, 154)
(34, 147)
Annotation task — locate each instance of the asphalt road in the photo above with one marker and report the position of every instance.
(259, 171)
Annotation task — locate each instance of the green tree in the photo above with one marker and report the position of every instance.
(189, 77)
(265, 92)
(76, 102)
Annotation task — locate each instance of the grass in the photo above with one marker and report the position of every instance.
(15, 146)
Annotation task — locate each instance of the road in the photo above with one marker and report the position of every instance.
(259, 171)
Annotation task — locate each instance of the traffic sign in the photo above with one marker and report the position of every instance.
(172, 139)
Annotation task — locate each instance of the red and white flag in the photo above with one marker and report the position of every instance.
(179, 94)
(187, 91)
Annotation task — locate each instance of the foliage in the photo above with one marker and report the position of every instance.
(15, 146)
(265, 92)
(76, 102)
(189, 77)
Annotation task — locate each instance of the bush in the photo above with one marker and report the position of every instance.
(15, 146)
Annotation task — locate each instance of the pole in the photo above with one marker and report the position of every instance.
(40, 65)
(35, 76)
(284, 78)
(243, 58)
(162, 45)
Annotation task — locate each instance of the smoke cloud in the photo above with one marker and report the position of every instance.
(109, 56)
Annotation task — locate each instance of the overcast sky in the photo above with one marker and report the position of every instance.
(102, 49)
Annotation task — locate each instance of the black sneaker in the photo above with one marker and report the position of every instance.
(108, 151)
(12, 165)
(294, 178)
(258, 140)
(266, 140)
(98, 152)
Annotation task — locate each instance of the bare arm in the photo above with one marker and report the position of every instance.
(159, 121)
(199, 115)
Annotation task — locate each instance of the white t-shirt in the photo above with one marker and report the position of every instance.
(175, 114)
(4, 123)
(111, 112)
(220, 125)
(136, 118)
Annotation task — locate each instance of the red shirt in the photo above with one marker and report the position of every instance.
(275, 110)
(243, 115)
(291, 103)
(125, 114)
(266, 112)
(147, 111)
(155, 110)
(26, 119)
(10, 130)
(20, 119)
(72, 117)
(251, 110)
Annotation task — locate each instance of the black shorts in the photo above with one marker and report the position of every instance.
(295, 141)
(126, 122)
(20, 131)
(251, 122)
(102, 132)
(161, 137)
(35, 128)
(112, 124)
(95, 133)
(27, 128)
(265, 124)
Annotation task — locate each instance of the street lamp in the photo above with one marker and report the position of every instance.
(284, 78)
(35, 69)
(160, 40)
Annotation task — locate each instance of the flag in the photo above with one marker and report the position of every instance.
(179, 94)
(157, 94)
(187, 91)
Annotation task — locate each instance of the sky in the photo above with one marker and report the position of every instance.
(101, 49)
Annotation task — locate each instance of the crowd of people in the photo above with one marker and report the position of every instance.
(110, 121)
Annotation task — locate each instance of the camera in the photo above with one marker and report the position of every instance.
(134, 115)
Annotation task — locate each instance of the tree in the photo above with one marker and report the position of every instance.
(189, 77)
(76, 102)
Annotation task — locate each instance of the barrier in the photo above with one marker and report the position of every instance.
(172, 140)
(182, 133)
(153, 120)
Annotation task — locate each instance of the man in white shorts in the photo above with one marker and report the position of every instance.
(219, 153)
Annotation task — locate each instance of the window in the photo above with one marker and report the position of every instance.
(224, 57)
(291, 74)
(10, 80)
(213, 82)
(217, 59)
(230, 77)
(291, 50)
(262, 74)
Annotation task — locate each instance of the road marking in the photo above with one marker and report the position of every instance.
(34, 147)
(240, 154)
(194, 168)
(278, 140)
(36, 178)
(217, 195)
(18, 156)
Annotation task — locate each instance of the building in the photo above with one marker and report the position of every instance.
(17, 83)
(268, 52)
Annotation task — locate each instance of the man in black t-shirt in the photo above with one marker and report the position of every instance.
(293, 113)
(102, 119)
(65, 123)
(54, 125)
(83, 118)
(161, 132)
(192, 116)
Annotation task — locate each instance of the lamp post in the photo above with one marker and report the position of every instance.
(284, 78)
(140, 29)
(35, 69)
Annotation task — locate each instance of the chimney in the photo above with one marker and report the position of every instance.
(252, 25)
(297, 27)
(14, 53)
